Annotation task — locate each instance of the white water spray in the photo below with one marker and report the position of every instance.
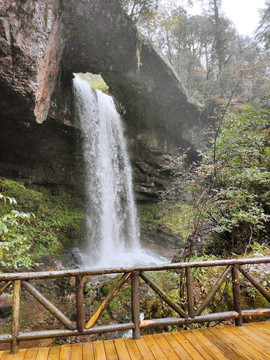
(112, 223)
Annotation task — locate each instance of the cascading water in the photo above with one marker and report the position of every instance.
(112, 224)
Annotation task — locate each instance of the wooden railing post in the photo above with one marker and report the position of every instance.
(80, 304)
(135, 304)
(190, 298)
(16, 302)
(237, 295)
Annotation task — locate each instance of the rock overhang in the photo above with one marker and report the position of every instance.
(81, 36)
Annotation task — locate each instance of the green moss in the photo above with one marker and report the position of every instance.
(175, 217)
(96, 82)
(167, 280)
(27, 200)
(149, 216)
(57, 221)
(149, 142)
(46, 13)
(178, 218)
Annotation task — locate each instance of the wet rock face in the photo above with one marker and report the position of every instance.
(31, 46)
(45, 154)
(42, 43)
(30, 50)
(102, 39)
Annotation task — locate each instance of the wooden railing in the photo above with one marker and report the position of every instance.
(186, 316)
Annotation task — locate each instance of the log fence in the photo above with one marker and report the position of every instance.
(190, 315)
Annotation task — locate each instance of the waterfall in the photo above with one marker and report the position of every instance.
(113, 234)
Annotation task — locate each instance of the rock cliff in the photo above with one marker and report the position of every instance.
(42, 43)
(31, 49)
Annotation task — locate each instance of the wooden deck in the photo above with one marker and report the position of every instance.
(251, 341)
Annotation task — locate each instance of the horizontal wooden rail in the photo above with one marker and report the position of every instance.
(46, 334)
(228, 315)
(66, 273)
(49, 334)
(190, 313)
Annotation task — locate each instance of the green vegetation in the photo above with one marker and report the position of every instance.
(235, 177)
(97, 82)
(14, 247)
(177, 218)
(38, 224)
(224, 72)
(229, 192)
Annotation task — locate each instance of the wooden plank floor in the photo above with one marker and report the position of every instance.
(251, 342)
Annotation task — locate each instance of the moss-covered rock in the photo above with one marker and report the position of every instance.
(57, 223)
(166, 224)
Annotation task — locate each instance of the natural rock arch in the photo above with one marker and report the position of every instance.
(43, 43)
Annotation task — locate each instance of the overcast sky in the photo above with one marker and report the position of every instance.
(243, 13)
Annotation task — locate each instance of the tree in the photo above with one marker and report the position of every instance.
(263, 31)
(208, 55)
(221, 35)
(138, 9)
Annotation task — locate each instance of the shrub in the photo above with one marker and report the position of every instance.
(14, 244)
(236, 174)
